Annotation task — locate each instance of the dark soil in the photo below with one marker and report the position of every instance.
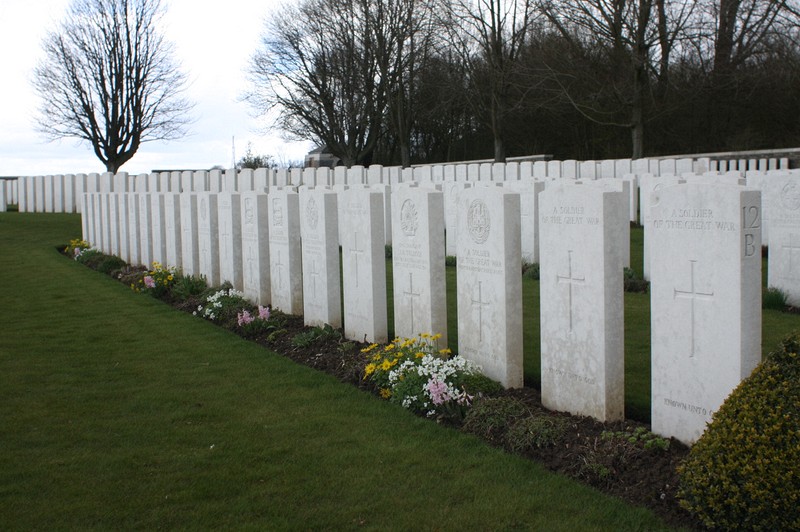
(614, 465)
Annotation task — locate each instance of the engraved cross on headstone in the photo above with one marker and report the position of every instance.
(480, 304)
(692, 294)
(314, 276)
(251, 259)
(570, 280)
(412, 295)
(277, 266)
(357, 252)
(790, 248)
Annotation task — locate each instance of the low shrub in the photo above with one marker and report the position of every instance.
(773, 299)
(530, 271)
(631, 282)
(536, 431)
(742, 473)
(491, 417)
(450, 260)
(188, 286)
(316, 334)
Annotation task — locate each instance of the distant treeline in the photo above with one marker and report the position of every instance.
(406, 81)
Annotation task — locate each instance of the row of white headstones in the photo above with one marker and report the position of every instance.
(282, 248)
(60, 193)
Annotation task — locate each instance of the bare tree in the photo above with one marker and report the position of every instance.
(490, 36)
(108, 78)
(316, 69)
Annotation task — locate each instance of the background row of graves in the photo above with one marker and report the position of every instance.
(282, 248)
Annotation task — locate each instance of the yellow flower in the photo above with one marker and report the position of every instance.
(425, 335)
(376, 356)
(369, 348)
(436, 336)
(369, 370)
(445, 351)
(169, 278)
(419, 354)
(386, 366)
(386, 393)
(389, 347)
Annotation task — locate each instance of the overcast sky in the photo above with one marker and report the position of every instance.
(212, 40)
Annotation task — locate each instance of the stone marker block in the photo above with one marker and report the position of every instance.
(363, 265)
(190, 250)
(582, 306)
(158, 230)
(529, 218)
(230, 239)
(782, 197)
(319, 227)
(255, 247)
(285, 253)
(489, 287)
(705, 298)
(420, 292)
(208, 237)
(172, 230)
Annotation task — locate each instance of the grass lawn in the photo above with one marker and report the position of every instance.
(119, 412)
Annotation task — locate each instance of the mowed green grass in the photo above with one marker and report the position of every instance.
(119, 412)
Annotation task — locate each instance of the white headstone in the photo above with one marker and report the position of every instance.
(539, 169)
(285, 254)
(215, 181)
(374, 174)
(705, 299)
(157, 229)
(134, 243)
(569, 169)
(649, 185)
(529, 217)
(420, 292)
(782, 198)
(200, 182)
(608, 168)
(451, 194)
(112, 205)
(587, 170)
(145, 230)
(319, 227)
(489, 285)
(255, 247)
(172, 230)
(624, 186)
(582, 308)
(208, 237)
(190, 251)
(246, 180)
(122, 222)
(363, 265)
(554, 169)
(230, 238)
(58, 193)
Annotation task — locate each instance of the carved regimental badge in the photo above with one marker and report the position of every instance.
(790, 196)
(478, 221)
(312, 214)
(409, 221)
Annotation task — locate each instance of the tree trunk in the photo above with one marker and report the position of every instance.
(499, 150)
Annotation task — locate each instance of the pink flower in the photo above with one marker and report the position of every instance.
(244, 317)
(149, 282)
(263, 313)
(438, 391)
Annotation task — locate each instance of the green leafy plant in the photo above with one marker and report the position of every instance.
(187, 286)
(536, 431)
(530, 271)
(639, 435)
(633, 283)
(491, 417)
(450, 260)
(315, 334)
(742, 473)
(773, 299)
